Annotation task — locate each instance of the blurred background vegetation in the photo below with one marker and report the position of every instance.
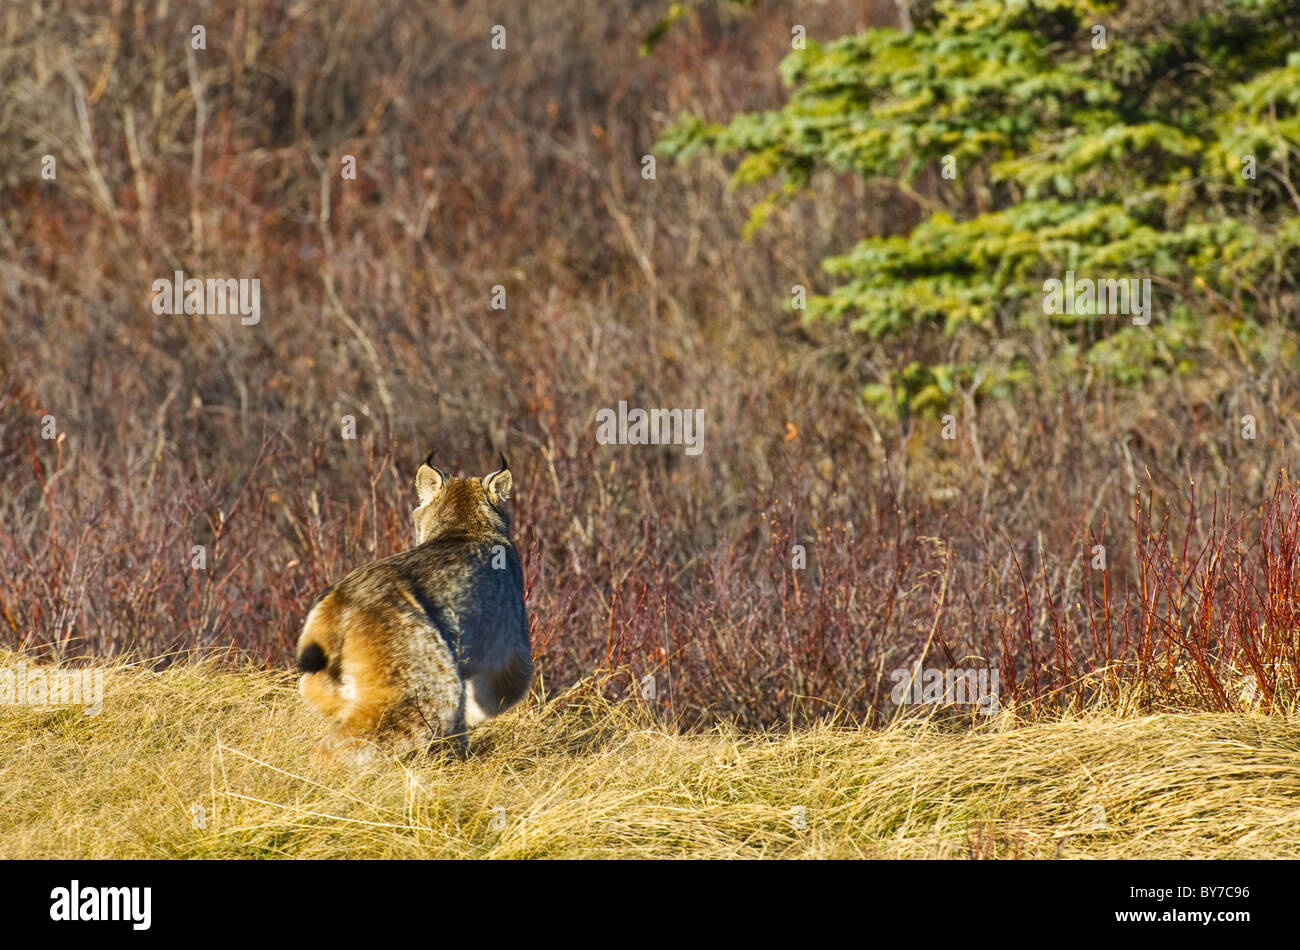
(1114, 140)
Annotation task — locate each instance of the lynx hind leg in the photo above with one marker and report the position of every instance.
(426, 725)
(435, 707)
(393, 689)
(408, 693)
(367, 731)
(340, 748)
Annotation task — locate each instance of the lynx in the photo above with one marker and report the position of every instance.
(427, 643)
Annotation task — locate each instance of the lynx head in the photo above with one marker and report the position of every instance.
(467, 506)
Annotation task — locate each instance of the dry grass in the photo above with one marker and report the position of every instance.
(577, 776)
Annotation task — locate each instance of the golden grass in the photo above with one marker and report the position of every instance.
(580, 777)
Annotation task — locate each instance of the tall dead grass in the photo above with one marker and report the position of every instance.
(197, 762)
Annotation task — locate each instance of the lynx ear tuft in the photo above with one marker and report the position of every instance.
(429, 481)
(499, 482)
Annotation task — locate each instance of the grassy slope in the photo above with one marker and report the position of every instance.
(583, 778)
